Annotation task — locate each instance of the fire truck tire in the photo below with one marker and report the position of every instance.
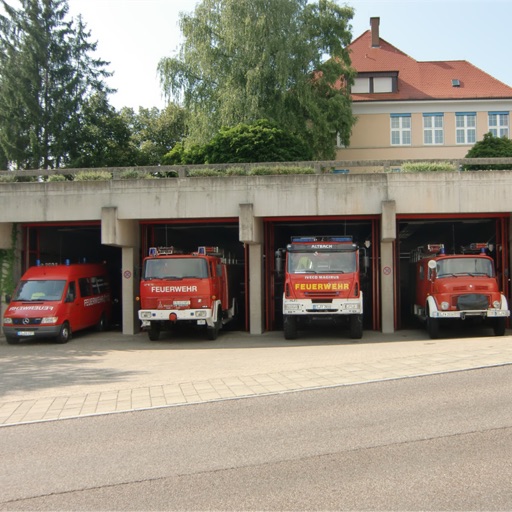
(64, 334)
(289, 327)
(154, 332)
(499, 327)
(11, 340)
(356, 327)
(433, 327)
(212, 333)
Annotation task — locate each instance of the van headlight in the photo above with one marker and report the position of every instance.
(8, 321)
(496, 304)
(49, 320)
(445, 306)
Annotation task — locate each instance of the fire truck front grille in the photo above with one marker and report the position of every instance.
(472, 301)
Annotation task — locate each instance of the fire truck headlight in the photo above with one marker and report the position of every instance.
(200, 314)
(49, 320)
(8, 321)
(145, 315)
(496, 304)
(291, 307)
(445, 306)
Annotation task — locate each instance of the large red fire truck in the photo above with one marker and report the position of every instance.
(321, 281)
(457, 287)
(185, 288)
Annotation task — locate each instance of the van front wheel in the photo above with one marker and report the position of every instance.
(102, 325)
(64, 334)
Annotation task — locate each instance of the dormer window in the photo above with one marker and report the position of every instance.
(375, 83)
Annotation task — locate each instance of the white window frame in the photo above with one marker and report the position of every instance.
(498, 124)
(400, 129)
(465, 128)
(433, 129)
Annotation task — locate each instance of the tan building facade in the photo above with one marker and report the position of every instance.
(407, 109)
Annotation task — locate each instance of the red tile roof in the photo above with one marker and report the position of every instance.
(422, 80)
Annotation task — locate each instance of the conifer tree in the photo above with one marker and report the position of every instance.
(46, 76)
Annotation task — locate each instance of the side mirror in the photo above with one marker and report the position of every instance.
(280, 261)
(7, 299)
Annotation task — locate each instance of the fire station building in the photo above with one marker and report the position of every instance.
(251, 217)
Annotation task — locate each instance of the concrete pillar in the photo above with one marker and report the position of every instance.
(387, 267)
(125, 234)
(130, 289)
(251, 233)
(256, 289)
(5, 235)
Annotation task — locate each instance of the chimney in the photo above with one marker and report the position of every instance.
(374, 23)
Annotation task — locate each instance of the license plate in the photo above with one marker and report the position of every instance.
(25, 333)
(321, 306)
(181, 303)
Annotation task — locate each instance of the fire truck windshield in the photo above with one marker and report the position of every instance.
(40, 290)
(465, 266)
(175, 268)
(316, 262)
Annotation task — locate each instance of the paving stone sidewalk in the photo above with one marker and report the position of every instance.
(166, 394)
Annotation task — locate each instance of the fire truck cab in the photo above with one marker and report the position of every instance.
(321, 281)
(457, 287)
(185, 288)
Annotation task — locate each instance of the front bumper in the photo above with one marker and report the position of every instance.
(200, 316)
(21, 332)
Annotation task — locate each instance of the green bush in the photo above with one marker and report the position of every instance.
(198, 173)
(490, 147)
(93, 176)
(25, 179)
(134, 174)
(270, 171)
(236, 171)
(57, 177)
(428, 167)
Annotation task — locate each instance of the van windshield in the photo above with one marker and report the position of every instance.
(35, 290)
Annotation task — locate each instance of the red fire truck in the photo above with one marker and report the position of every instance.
(321, 281)
(186, 288)
(457, 287)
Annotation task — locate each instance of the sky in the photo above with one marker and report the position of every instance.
(133, 35)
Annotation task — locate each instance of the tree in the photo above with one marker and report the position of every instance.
(155, 132)
(283, 60)
(490, 147)
(46, 77)
(103, 139)
(262, 141)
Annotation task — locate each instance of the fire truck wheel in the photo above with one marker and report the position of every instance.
(499, 327)
(356, 327)
(289, 327)
(64, 334)
(154, 332)
(433, 327)
(212, 332)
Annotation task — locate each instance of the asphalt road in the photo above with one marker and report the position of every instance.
(441, 442)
